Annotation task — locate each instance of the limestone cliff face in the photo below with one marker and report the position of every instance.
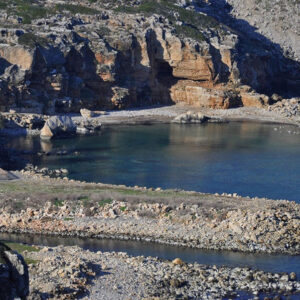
(114, 60)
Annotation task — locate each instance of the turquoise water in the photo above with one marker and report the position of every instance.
(247, 158)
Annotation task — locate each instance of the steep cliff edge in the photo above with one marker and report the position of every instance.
(60, 56)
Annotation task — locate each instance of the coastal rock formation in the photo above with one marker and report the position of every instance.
(14, 278)
(113, 55)
(287, 108)
(57, 125)
(190, 117)
(13, 120)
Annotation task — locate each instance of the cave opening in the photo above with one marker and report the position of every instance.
(165, 73)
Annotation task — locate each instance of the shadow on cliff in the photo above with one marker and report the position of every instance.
(270, 71)
(149, 84)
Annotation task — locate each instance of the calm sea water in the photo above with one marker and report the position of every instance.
(266, 262)
(247, 158)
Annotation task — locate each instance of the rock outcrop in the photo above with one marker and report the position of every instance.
(57, 125)
(14, 278)
(115, 55)
(191, 118)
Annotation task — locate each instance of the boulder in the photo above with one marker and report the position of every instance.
(254, 99)
(191, 118)
(14, 278)
(5, 175)
(58, 125)
(177, 261)
(86, 113)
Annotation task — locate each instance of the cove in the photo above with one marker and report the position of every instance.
(251, 159)
(265, 262)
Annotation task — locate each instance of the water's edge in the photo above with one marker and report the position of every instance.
(265, 262)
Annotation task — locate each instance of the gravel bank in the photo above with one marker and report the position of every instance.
(166, 114)
(25, 124)
(68, 208)
(70, 272)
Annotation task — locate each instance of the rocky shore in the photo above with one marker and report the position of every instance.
(282, 112)
(70, 272)
(38, 204)
(66, 272)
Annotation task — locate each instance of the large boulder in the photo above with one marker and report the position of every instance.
(58, 125)
(191, 118)
(14, 278)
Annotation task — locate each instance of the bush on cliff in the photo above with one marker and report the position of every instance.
(192, 22)
(31, 40)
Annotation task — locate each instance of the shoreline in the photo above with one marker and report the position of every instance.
(146, 240)
(174, 217)
(117, 275)
(206, 221)
(165, 115)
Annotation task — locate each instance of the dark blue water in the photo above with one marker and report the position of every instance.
(266, 262)
(250, 159)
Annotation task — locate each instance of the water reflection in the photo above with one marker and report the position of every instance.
(247, 158)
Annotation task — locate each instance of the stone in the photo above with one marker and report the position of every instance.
(293, 276)
(14, 277)
(190, 117)
(57, 125)
(177, 261)
(254, 99)
(86, 113)
(46, 132)
(6, 175)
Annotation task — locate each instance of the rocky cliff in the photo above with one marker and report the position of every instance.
(60, 56)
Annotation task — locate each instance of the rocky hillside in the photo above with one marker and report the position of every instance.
(60, 56)
(276, 20)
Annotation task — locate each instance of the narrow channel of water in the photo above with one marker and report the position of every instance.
(251, 159)
(266, 262)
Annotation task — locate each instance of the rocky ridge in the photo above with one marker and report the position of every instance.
(180, 218)
(115, 55)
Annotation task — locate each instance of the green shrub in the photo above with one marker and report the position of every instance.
(30, 12)
(187, 31)
(105, 202)
(76, 9)
(103, 31)
(31, 40)
(193, 22)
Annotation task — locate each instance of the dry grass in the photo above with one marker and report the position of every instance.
(19, 195)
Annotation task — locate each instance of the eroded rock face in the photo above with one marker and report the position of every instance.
(14, 278)
(112, 60)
